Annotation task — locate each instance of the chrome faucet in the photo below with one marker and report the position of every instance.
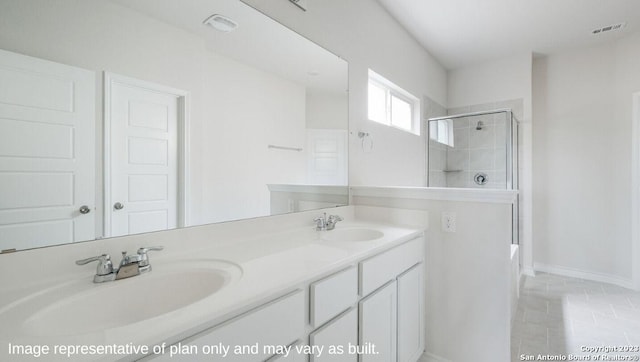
(324, 223)
(131, 265)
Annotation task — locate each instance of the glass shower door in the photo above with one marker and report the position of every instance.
(474, 150)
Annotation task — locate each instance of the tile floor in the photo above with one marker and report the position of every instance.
(561, 316)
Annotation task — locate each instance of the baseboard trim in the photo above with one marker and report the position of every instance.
(582, 274)
(430, 357)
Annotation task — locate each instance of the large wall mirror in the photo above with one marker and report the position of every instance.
(129, 116)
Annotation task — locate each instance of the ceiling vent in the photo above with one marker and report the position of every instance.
(221, 23)
(608, 28)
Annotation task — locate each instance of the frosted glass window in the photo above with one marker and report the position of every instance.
(377, 103)
(442, 131)
(401, 116)
(391, 105)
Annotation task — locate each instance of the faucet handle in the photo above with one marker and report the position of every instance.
(144, 258)
(331, 222)
(126, 259)
(105, 266)
(321, 222)
(146, 249)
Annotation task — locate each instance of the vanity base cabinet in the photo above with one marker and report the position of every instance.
(378, 325)
(373, 312)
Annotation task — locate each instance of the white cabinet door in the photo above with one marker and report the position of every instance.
(47, 153)
(378, 324)
(410, 314)
(341, 332)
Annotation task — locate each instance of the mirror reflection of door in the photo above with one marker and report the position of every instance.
(142, 127)
(47, 156)
(327, 157)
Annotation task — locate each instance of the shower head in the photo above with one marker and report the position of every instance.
(479, 125)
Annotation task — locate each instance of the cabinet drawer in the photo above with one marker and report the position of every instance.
(378, 270)
(332, 295)
(279, 322)
(293, 356)
(341, 331)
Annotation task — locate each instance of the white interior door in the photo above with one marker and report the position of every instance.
(142, 147)
(47, 152)
(327, 157)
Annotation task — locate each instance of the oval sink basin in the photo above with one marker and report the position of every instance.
(352, 234)
(83, 307)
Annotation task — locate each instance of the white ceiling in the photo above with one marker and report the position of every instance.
(462, 32)
(258, 41)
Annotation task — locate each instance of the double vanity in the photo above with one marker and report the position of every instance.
(264, 286)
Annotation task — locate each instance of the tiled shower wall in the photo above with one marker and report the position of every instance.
(474, 150)
(437, 164)
(478, 151)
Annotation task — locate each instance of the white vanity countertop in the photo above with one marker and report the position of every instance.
(272, 264)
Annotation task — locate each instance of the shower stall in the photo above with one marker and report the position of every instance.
(473, 150)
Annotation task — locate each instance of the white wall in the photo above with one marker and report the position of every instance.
(247, 110)
(500, 80)
(327, 110)
(364, 34)
(227, 97)
(582, 160)
(467, 274)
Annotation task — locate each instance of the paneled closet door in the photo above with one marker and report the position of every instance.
(47, 152)
(142, 175)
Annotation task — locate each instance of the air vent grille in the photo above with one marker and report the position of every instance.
(607, 28)
(221, 22)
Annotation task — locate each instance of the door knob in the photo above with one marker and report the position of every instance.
(84, 209)
(118, 206)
